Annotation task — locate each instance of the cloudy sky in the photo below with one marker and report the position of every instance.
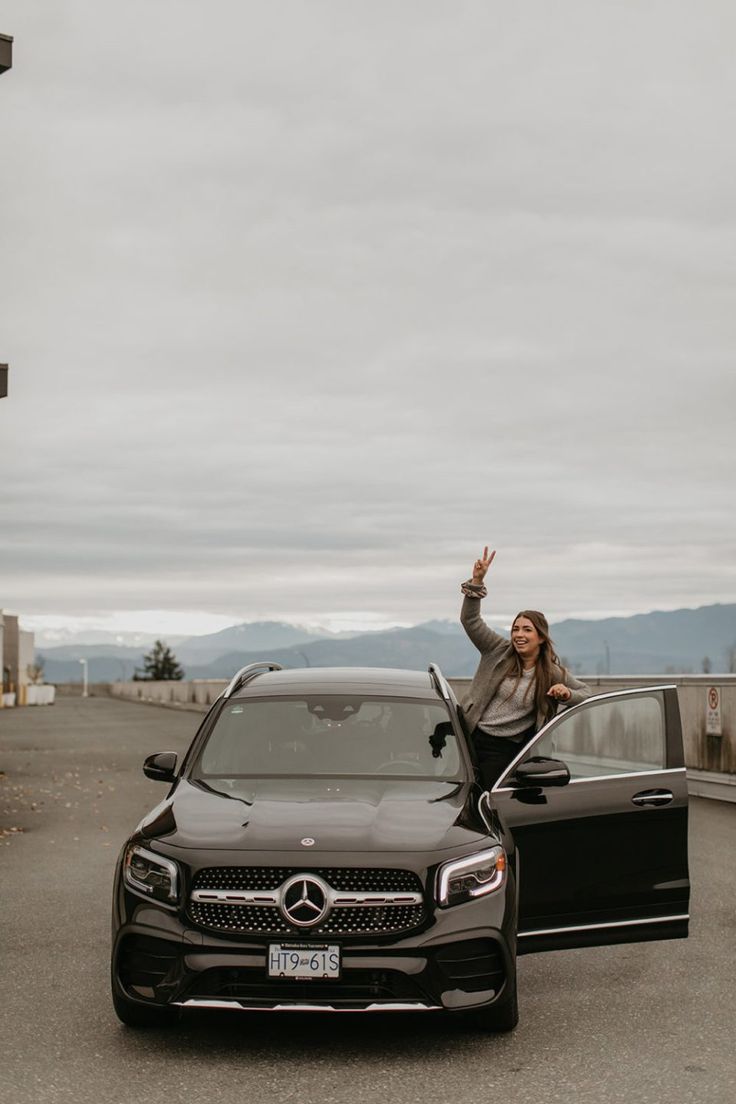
(305, 302)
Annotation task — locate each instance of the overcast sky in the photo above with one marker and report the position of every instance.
(306, 302)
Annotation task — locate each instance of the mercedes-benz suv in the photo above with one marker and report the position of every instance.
(325, 844)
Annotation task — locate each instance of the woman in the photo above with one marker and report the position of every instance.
(518, 684)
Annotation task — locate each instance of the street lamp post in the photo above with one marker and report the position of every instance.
(84, 678)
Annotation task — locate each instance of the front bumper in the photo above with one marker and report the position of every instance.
(463, 958)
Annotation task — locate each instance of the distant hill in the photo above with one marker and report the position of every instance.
(413, 648)
(248, 637)
(101, 668)
(257, 636)
(650, 643)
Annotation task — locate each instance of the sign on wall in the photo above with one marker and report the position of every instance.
(713, 712)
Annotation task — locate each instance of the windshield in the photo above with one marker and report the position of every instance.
(331, 735)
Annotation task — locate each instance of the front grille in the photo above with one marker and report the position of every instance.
(474, 965)
(380, 921)
(347, 920)
(347, 879)
(232, 918)
(241, 877)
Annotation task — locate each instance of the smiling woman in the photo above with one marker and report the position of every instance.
(518, 684)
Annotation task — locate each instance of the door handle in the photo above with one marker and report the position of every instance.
(653, 797)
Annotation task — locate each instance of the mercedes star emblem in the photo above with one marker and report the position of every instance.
(307, 842)
(304, 900)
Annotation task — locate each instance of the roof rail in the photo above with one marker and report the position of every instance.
(245, 674)
(440, 681)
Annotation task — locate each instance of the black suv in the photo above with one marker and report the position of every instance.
(325, 844)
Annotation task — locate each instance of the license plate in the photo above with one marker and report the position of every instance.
(304, 961)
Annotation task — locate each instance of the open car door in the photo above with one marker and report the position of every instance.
(601, 856)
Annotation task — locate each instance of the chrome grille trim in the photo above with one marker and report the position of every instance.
(345, 900)
(271, 899)
(235, 897)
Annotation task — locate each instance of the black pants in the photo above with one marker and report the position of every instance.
(494, 753)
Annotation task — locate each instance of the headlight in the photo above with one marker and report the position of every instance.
(150, 874)
(474, 876)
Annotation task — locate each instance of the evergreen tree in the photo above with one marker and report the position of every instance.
(160, 665)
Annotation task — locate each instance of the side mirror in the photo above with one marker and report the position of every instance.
(540, 771)
(161, 767)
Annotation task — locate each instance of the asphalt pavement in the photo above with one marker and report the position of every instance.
(650, 1022)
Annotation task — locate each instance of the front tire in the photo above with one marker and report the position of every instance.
(133, 1014)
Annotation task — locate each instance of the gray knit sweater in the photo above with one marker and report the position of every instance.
(512, 710)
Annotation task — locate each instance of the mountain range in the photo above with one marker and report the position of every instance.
(664, 642)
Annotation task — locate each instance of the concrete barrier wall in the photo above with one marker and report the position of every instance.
(40, 694)
(199, 694)
(74, 689)
(29, 694)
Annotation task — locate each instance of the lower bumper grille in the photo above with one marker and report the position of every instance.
(356, 987)
(474, 966)
(146, 965)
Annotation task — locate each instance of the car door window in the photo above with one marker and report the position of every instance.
(624, 736)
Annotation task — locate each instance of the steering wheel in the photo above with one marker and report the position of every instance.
(391, 764)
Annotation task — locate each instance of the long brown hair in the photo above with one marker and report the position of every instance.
(547, 668)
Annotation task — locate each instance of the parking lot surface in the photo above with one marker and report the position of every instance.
(641, 1023)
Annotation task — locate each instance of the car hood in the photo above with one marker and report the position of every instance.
(338, 814)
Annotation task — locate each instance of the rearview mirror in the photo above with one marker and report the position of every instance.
(161, 767)
(438, 739)
(537, 770)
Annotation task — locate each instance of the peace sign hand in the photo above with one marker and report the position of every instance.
(482, 564)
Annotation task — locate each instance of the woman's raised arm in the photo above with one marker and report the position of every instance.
(484, 638)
